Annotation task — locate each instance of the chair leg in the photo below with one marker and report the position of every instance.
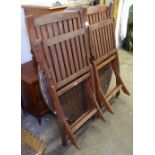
(63, 133)
(94, 102)
(63, 124)
(118, 78)
(71, 136)
(104, 101)
(100, 95)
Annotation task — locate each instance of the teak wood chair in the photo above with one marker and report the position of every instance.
(61, 23)
(97, 14)
(64, 59)
(104, 52)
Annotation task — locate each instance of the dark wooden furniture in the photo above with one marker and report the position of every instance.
(32, 101)
(71, 23)
(65, 61)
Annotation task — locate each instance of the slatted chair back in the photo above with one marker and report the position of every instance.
(103, 39)
(53, 25)
(66, 56)
(56, 24)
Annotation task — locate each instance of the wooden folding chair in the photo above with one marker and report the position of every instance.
(96, 14)
(104, 52)
(61, 23)
(64, 59)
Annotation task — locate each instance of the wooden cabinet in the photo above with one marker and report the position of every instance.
(32, 100)
(37, 10)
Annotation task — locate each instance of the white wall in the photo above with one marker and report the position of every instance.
(25, 44)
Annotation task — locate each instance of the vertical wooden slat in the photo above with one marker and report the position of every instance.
(89, 19)
(102, 43)
(55, 63)
(64, 51)
(94, 37)
(106, 33)
(107, 13)
(49, 61)
(44, 32)
(83, 51)
(96, 44)
(112, 35)
(109, 36)
(101, 35)
(52, 50)
(38, 34)
(92, 34)
(81, 44)
(106, 39)
(79, 25)
(49, 30)
(77, 45)
(98, 36)
(92, 44)
(72, 41)
(68, 46)
(86, 43)
(60, 61)
(59, 53)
